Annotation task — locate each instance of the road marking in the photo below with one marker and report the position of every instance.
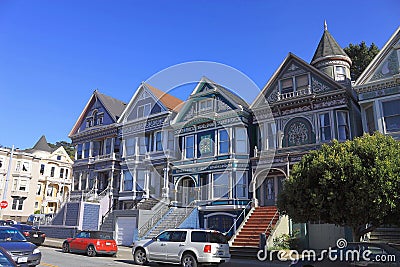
(47, 264)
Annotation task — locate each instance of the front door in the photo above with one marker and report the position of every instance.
(187, 191)
(270, 191)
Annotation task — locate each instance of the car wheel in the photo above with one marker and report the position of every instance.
(91, 251)
(189, 260)
(65, 247)
(140, 257)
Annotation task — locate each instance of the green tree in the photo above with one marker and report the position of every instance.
(354, 183)
(361, 55)
(69, 148)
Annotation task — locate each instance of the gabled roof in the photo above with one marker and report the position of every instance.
(42, 145)
(224, 91)
(379, 58)
(168, 101)
(263, 94)
(328, 47)
(114, 108)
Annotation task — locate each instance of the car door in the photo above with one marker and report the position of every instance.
(156, 248)
(78, 243)
(175, 245)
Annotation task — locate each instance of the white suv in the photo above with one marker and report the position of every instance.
(188, 247)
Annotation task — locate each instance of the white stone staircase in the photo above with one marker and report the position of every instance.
(170, 220)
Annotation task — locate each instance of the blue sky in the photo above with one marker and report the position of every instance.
(54, 54)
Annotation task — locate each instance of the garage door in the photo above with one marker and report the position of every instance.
(125, 230)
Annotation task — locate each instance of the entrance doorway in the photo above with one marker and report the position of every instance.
(269, 189)
(186, 192)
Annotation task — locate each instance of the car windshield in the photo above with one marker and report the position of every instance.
(11, 235)
(210, 237)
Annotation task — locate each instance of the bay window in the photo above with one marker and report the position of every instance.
(223, 141)
(343, 126)
(189, 147)
(128, 181)
(241, 140)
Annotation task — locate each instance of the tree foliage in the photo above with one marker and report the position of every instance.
(69, 148)
(354, 183)
(361, 55)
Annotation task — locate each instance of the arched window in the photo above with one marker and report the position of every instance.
(298, 131)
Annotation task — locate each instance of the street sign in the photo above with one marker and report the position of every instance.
(3, 204)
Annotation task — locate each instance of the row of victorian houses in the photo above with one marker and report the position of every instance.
(214, 161)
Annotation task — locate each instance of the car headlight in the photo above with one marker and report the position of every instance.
(36, 251)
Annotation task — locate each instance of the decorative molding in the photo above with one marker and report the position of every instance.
(330, 103)
(296, 110)
(298, 133)
(389, 67)
(274, 96)
(318, 86)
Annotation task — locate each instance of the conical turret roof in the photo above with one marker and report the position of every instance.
(328, 48)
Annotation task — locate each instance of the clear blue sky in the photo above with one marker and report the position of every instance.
(54, 54)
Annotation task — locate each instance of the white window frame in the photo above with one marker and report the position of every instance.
(243, 186)
(208, 104)
(18, 183)
(223, 185)
(193, 147)
(156, 141)
(18, 202)
(146, 108)
(130, 144)
(124, 180)
(219, 141)
(384, 117)
(322, 126)
(338, 75)
(347, 124)
(270, 127)
(241, 140)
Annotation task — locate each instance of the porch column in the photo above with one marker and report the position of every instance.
(165, 189)
(146, 183)
(112, 147)
(91, 149)
(253, 188)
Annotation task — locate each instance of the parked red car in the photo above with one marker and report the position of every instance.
(91, 243)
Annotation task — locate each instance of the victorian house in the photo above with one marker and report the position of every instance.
(300, 108)
(96, 169)
(148, 148)
(212, 171)
(378, 89)
(34, 180)
(55, 176)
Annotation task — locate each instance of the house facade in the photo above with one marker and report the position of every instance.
(302, 107)
(378, 89)
(149, 146)
(96, 169)
(212, 168)
(34, 180)
(55, 177)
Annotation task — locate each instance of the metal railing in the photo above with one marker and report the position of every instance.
(269, 227)
(153, 220)
(238, 217)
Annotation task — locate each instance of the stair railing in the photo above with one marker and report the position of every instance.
(188, 209)
(269, 227)
(153, 220)
(237, 218)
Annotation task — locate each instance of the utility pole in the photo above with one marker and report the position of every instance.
(7, 179)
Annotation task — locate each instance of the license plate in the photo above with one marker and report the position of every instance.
(220, 253)
(108, 244)
(35, 235)
(22, 259)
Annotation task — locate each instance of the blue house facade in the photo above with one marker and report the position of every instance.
(96, 169)
(212, 170)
